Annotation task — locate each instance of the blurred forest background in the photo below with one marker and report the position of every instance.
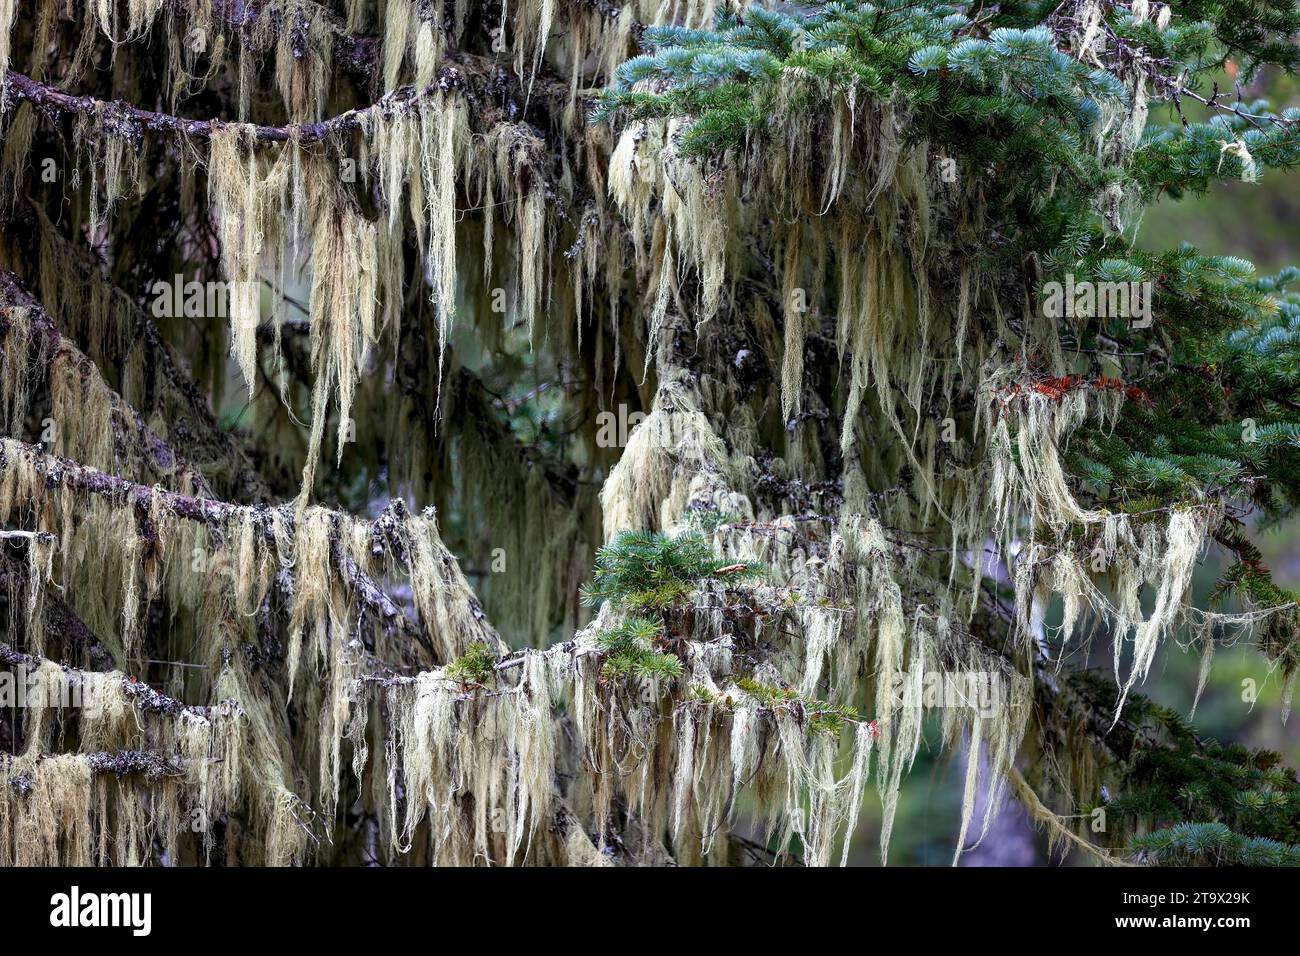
(1259, 221)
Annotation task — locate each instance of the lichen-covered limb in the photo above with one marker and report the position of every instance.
(129, 120)
(120, 763)
(148, 764)
(201, 438)
(58, 471)
(50, 342)
(217, 515)
(141, 696)
(375, 598)
(61, 621)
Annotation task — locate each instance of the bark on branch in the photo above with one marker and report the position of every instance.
(58, 471)
(51, 341)
(141, 695)
(147, 763)
(125, 119)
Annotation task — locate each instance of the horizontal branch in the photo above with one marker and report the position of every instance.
(58, 471)
(204, 439)
(147, 763)
(120, 763)
(125, 119)
(141, 695)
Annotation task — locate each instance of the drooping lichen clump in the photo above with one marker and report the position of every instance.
(699, 446)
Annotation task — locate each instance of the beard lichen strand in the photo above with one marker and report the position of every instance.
(686, 212)
(303, 58)
(1205, 630)
(399, 24)
(444, 131)
(344, 297)
(673, 458)
(451, 752)
(51, 824)
(107, 712)
(260, 209)
(446, 606)
(891, 328)
(105, 15)
(19, 129)
(265, 216)
(728, 743)
(8, 11)
(419, 152)
(112, 161)
(860, 577)
(1027, 430)
(1030, 490)
(14, 364)
(302, 34)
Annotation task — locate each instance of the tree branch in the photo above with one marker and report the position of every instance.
(141, 695)
(61, 621)
(165, 461)
(246, 483)
(124, 119)
(147, 763)
(58, 471)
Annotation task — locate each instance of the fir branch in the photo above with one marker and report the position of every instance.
(61, 621)
(142, 696)
(246, 483)
(50, 342)
(126, 119)
(212, 513)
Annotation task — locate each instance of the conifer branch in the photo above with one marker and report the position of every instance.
(247, 483)
(51, 342)
(212, 513)
(61, 621)
(149, 764)
(125, 119)
(141, 695)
